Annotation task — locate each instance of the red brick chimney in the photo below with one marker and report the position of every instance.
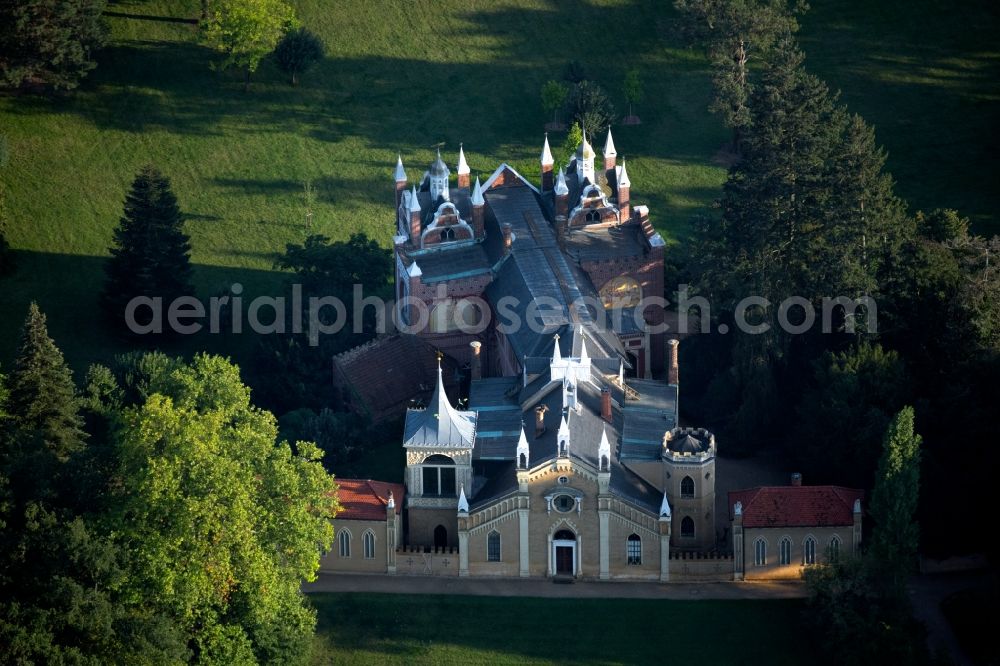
(673, 372)
(476, 369)
(606, 405)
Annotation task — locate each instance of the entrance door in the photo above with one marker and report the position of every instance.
(564, 560)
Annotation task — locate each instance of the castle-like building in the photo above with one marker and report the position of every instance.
(568, 458)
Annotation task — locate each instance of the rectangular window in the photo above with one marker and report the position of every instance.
(634, 551)
(447, 481)
(431, 486)
(493, 547)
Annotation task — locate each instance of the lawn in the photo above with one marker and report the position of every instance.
(401, 77)
(401, 629)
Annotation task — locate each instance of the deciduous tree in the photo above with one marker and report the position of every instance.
(245, 31)
(297, 51)
(553, 97)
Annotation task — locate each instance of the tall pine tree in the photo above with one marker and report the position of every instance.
(151, 255)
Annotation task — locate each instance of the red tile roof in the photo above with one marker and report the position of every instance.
(364, 499)
(796, 506)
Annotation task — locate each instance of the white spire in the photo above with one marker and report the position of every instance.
(477, 194)
(738, 509)
(400, 173)
(621, 372)
(562, 435)
(546, 152)
(609, 145)
(584, 357)
(623, 180)
(463, 166)
(556, 354)
(463, 503)
(857, 506)
(414, 203)
(665, 507)
(522, 448)
(392, 501)
(604, 450)
(561, 188)
(414, 270)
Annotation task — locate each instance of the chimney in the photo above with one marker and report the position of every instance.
(507, 238)
(477, 368)
(796, 479)
(540, 420)
(673, 373)
(606, 405)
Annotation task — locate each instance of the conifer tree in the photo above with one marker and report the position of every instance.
(151, 255)
(41, 403)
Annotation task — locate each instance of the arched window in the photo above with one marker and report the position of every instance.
(593, 216)
(687, 527)
(447, 234)
(440, 537)
(687, 487)
(345, 543)
(439, 476)
(368, 542)
(785, 551)
(564, 535)
(524, 462)
(633, 549)
(809, 550)
(493, 547)
(835, 548)
(760, 552)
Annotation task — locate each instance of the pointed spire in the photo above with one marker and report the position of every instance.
(609, 145)
(584, 356)
(604, 451)
(522, 448)
(463, 503)
(556, 353)
(665, 507)
(623, 180)
(463, 166)
(563, 434)
(477, 194)
(414, 270)
(414, 203)
(400, 173)
(546, 152)
(561, 188)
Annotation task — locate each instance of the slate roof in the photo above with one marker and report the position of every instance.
(364, 499)
(647, 419)
(439, 425)
(450, 261)
(383, 376)
(796, 506)
(606, 242)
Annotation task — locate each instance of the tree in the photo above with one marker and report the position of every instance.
(894, 499)
(247, 30)
(575, 72)
(41, 401)
(297, 51)
(7, 261)
(151, 255)
(340, 435)
(942, 225)
(49, 42)
(221, 522)
(589, 106)
(733, 33)
(632, 89)
(553, 97)
(573, 139)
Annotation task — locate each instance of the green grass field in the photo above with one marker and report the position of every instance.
(401, 77)
(399, 629)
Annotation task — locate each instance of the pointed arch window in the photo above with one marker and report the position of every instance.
(447, 234)
(345, 543)
(785, 551)
(633, 549)
(368, 544)
(809, 550)
(760, 552)
(593, 216)
(835, 548)
(493, 547)
(687, 487)
(687, 527)
(439, 476)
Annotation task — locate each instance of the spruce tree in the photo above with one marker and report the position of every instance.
(151, 255)
(42, 403)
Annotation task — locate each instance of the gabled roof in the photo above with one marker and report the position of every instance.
(500, 169)
(439, 425)
(796, 506)
(364, 499)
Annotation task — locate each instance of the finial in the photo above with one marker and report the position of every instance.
(547, 152)
(609, 145)
(477, 194)
(665, 506)
(392, 501)
(400, 173)
(623, 180)
(738, 509)
(463, 503)
(463, 166)
(414, 202)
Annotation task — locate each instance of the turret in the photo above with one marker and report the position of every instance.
(562, 195)
(585, 161)
(478, 210)
(463, 168)
(610, 154)
(400, 179)
(547, 163)
(623, 186)
(439, 174)
(415, 226)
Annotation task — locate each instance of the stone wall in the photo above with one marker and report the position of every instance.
(414, 561)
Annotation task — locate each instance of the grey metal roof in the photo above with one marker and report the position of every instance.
(596, 243)
(647, 419)
(450, 261)
(439, 425)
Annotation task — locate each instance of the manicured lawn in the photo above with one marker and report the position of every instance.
(401, 629)
(401, 77)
